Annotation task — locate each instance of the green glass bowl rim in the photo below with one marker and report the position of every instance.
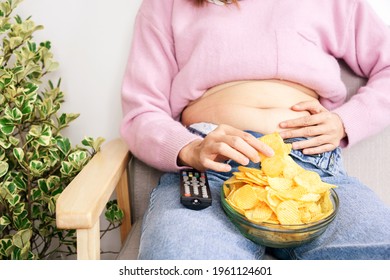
(271, 227)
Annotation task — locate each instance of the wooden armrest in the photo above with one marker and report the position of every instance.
(84, 199)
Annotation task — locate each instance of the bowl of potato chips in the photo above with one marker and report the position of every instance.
(280, 204)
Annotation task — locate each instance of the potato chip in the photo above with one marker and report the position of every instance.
(309, 197)
(261, 193)
(273, 198)
(245, 197)
(288, 213)
(238, 209)
(275, 141)
(273, 166)
(260, 213)
(309, 180)
(291, 168)
(280, 184)
(226, 190)
(325, 202)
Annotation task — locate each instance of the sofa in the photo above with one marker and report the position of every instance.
(369, 161)
(114, 168)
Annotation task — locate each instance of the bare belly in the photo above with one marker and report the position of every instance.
(249, 105)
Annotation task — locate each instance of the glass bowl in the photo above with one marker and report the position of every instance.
(278, 235)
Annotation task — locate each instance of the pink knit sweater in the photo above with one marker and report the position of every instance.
(179, 51)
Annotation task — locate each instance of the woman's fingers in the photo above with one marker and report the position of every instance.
(323, 129)
(298, 126)
(223, 143)
(243, 142)
(312, 106)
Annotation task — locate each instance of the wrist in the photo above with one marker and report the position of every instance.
(186, 154)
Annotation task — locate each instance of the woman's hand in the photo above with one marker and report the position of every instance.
(324, 129)
(224, 143)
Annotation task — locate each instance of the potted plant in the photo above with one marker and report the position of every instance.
(36, 161)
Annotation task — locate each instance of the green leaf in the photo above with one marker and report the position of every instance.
(43, 134)
(93, 143)
(20, 183)
(35, 130)
(5, 221)
(11, 187)
(32, 46)
(3, 168)
(37, 167)
(12, 114)
(22, 238)
(36, 211)
(113, 213)
(2, 98)
(52, 66)
(25, 252)
(87, 141)
(64, 145)
(19, 209)
(7, 130)
(65, 119)
(15, 41)
(14, 200)
(66, 168)
(6, 126)
(2, 154)
(46, 45)
(53, 182)
(52, 205)
(36, 194)
(97, 143)
(46, 136)
(4, 142)
(54, 155)
(18, 69)
(6, 247)
(22, 221)
(27, 108)
(13, 140)
(18, 154)
(43, 186)
(78, 159)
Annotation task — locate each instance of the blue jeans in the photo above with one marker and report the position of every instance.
(361, 229)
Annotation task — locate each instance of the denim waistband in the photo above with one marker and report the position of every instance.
(328, 163)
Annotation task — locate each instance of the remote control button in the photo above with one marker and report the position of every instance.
(196, 201)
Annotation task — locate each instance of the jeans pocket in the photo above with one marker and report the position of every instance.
(326, 164)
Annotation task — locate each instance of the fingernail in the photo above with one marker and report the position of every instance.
(295, 146)
(256, 159)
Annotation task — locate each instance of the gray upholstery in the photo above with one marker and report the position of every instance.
(142, 180)
(369, 161)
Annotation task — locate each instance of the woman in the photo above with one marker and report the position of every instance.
(206, 78)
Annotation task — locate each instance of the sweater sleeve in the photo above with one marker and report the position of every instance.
(152, 133)
(366, 49)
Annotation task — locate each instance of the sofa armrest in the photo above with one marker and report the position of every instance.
(84, 199)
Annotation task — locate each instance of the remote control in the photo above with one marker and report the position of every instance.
(194, 189)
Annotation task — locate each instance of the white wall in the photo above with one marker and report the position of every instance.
(91, 40)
